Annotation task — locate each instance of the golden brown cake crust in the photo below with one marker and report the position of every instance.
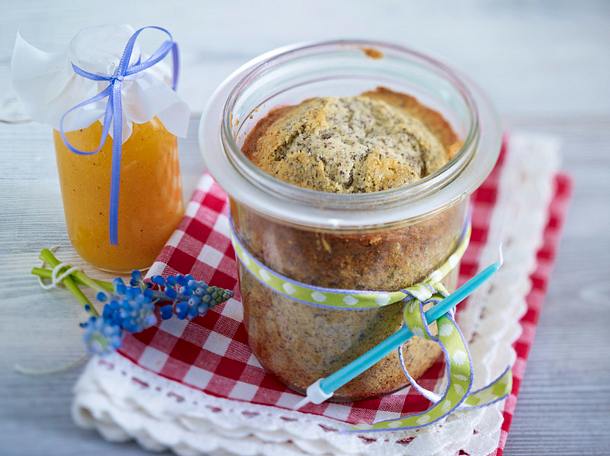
(432, 119)
(376, 141)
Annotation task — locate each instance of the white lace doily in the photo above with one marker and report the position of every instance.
(109, 395)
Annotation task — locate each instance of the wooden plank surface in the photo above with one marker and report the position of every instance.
(545, 64)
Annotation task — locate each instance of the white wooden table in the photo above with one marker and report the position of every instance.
(545, 64)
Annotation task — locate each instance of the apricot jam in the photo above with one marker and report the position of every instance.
(150, 202)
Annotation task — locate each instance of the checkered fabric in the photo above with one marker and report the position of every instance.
(211, 353)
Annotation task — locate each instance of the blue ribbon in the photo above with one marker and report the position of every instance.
(114, 110)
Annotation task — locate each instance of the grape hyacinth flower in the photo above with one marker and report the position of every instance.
(189, 298)
(101, 337)
(131, 307)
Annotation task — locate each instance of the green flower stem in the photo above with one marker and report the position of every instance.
(45, 273)
(98, 285)
(47, 256)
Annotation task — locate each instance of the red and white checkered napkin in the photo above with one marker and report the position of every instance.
(211, 354)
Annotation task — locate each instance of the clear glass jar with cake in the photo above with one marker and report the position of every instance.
(382, 228)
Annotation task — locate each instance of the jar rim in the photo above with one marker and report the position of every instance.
(252, 186)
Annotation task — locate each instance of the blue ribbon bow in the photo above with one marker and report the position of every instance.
(114, 110)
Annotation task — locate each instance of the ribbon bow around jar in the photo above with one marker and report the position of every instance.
(458, 393)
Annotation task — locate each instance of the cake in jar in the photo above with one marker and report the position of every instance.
(358, 144)
(376, 141)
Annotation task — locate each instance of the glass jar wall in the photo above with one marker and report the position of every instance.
(150, 201)
(301, 343)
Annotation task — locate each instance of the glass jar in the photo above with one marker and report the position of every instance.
(150, 200)
(385, 240)
(150, 196)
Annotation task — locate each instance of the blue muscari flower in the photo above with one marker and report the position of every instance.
(136, 311)
(215, 295)
(119, 286)
(137, 314)
(185, 291)
(196, 298)
(166, 311)
(111, 312)
(171, 293)
(101, 337)
(158, 280)
(131, 307)
(182, 309)
(136, 278)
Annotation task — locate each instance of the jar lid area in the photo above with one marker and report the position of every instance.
(290, 75)
(99, 49)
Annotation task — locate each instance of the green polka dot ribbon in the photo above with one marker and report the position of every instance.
(458, 394)
(348, 299)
